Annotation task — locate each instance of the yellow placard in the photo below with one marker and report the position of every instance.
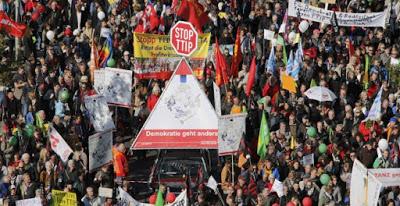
(157, 46)
(288, 83)
(61, 198)
(328, 1)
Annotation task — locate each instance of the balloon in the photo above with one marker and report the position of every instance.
(303, 26)
(111, 62)
(322, 148)
(311, 132)
(29, 130)
(50, 35)
(153, 198)
(101, 15)
(291, 36)
(170, 197)
(64, 95)
(307, 201)
(383, 144)
(324, 179)
(290, 204)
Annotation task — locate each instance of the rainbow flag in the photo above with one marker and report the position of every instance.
(105, 52)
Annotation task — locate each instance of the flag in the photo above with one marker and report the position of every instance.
(351, 49)
(288, 83)
(212, 183)
(374, 113)
(220, 66)
(281, 41)
(334, 22)
(366, 71)
(237, 55)
(105, 52)
(59, 146)
(292, 143)
(289, 65)
(271, 61)
(283, 27)
(152, 17)
(251, 77)
(192, 11)
(297, 63)
(313, 83)
(112, 2)
(11, 27)
(94, 60)
(160, 198)
(263, 137)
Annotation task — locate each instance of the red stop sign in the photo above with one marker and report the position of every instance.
(183, 38)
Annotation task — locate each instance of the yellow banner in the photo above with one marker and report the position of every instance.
(157, 46)
(61, 198)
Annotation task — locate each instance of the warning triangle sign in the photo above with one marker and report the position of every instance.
(183, 117)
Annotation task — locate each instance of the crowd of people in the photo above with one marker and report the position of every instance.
(48, 87)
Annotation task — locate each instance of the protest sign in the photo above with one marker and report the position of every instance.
(389, 177)
(156, 59)
(370, 19)
(217, 99)
(59, 146)
(61, 198)
(105, 192)
(358, 183)
(115, 85)
(100, 150)
(308, 159)
(268, 34)
(277, 187)
(231, 129)
(29, 202)
(100, 115)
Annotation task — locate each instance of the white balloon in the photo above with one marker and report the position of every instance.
(292, 36)
(383, 144)
(303, 26)
(50, 35)
(101, 15)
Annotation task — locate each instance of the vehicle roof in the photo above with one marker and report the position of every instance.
(182, 153)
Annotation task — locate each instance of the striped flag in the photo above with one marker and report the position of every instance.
(105, 52)
(374, 113)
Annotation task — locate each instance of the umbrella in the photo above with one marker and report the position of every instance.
(321, 94)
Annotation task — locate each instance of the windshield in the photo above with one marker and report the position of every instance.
(173, 168)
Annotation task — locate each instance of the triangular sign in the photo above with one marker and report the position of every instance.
(183, 117)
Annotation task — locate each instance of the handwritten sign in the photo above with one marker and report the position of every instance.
(61, 198)
(100, 150)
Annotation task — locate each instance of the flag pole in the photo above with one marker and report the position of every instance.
(233, 172)
(16, 38)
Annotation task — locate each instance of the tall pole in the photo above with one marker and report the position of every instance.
(233, 172)
(16, 38)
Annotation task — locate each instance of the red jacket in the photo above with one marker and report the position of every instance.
(120, 163)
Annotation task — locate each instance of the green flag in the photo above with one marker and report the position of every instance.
(160, 198)
(313, 83)
(281, 41)
(263, 137)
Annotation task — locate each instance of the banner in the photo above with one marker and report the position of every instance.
(358, 184)
(13, 28)
(125, 199)
(59, 146)
(100, 150)
(374, 188)
(115, 85)
(156, 59)
(181, 200)
(388, 177)
(231, 129)
(29, 202)
(217, 99)
(100, 115)
(371, 19)
(61, 198)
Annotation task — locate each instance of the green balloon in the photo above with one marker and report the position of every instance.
(64, 95)
(111, 62)
(311, 132)
(29, 130)
(322, 148)
(324, 179)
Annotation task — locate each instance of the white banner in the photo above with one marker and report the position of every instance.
(374, 188)
(358, 184)
(181, 200)
(372, 19)
(115, 85)
(100, 150)
(217, 99)
(389, 177)
(100, 115)
(31, 202)
(125, 199)
(230, 132)
(58, 145)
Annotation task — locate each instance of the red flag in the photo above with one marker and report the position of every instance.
(351, 49)
(237, 55)
(11, 27)
(251, 77)
(192, 11)
(220, 66)
(153, 19)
